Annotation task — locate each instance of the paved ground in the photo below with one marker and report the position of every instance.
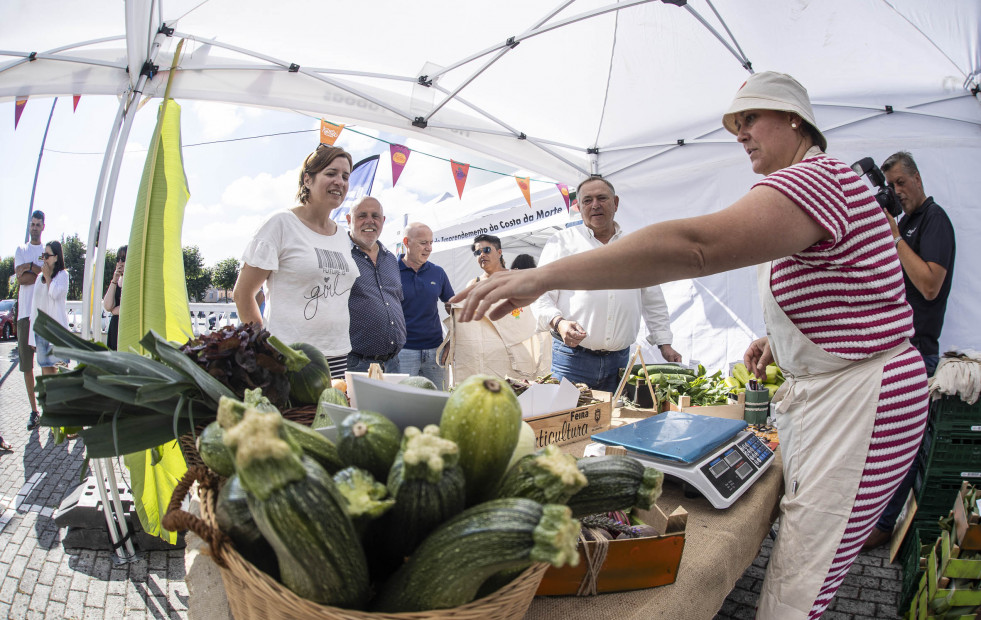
(41, 578)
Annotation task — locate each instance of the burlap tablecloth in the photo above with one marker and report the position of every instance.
(719, 546)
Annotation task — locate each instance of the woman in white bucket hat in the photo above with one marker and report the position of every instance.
(854, 407)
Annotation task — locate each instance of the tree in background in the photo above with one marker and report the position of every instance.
(198, 276)
(7, 287)
(109, 269)
(74, 251)
(225, 274)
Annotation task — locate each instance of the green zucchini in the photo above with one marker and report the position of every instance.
(483, 417)
(331, 396)
(615, 482)
(234, 519)
(367, 499)
(550, 477)
(428, 486)
(213, 451)
(666, 368)
(370, 441)
(300, 512)
(309, 381)
(448, 568)
(315, 445)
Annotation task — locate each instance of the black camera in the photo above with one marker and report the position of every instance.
(886, 196)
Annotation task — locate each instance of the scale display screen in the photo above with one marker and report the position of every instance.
(727, 471)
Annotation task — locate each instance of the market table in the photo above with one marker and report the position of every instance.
(719, 546)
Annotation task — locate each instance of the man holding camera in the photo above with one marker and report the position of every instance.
(924, 240)
(925, 244)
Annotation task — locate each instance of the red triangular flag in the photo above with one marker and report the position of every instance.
(400, 156)
(525, 184)
(329, 132)
(75, 99)
(460, 172)
(564, 190)
(19, 106)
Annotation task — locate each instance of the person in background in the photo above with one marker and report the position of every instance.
(510, 346)
(925, 244)
(856, 399)
(260, 298)
(523, 261)
(113, 297)
(306, 263)
(377, 323)
(593, 330)
(424, 284)
(27, 267)
(50, 295)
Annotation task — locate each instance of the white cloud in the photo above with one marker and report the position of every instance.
(219, 120)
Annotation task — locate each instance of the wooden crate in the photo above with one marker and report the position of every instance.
(630, 564)
(966, 535)
(936, 591)
(576, 424)
(733, 411)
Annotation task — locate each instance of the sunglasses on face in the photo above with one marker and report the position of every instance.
(480, 251)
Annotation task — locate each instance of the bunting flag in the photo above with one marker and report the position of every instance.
(358, 186)
(75, 99)
(19, 106)
(460, 172)
(329, 132)
(525, 184)
(400, 156)
(564, 190)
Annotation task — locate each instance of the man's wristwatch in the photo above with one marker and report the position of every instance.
(553, 327)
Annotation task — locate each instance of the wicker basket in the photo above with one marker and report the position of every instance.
(254, 595)
(188, 441)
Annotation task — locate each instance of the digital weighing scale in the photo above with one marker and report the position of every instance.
(716, 456)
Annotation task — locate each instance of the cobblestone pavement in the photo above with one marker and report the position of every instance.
(870, 591)
(41, 578)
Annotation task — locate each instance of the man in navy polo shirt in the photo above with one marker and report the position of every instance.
(377, 326)
(423, 284)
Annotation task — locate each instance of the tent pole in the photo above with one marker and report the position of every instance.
(88, 288)
(37, 170)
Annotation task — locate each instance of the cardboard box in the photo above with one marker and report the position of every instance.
(630, 564)
(733, 411)
(576, 424)
(967, 535)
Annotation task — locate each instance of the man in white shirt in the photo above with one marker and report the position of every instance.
(27, 267)
(593, 330)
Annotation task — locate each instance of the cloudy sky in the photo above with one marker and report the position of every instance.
(241, 163)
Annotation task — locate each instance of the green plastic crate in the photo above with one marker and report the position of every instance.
(951, 450)
(950, 414)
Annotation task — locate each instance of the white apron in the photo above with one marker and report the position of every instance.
(825, 423)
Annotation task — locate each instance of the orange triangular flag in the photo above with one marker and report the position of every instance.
(329, 132)
(19, 106)
(75, 99)
(564, 190)
(460, 172)
(524, 184)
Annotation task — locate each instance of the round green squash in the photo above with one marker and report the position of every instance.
(213, 451)
(331, 396)
(483, 417)
(370, 441)
(309, 382)
(419, 382)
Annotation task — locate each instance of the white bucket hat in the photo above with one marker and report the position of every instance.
(773, 91)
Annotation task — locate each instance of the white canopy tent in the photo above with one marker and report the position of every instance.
(633, 90)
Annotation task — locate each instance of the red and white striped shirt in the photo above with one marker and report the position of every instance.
(846, 294)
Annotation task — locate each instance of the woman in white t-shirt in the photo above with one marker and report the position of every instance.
(305, 261)
(50, 295)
